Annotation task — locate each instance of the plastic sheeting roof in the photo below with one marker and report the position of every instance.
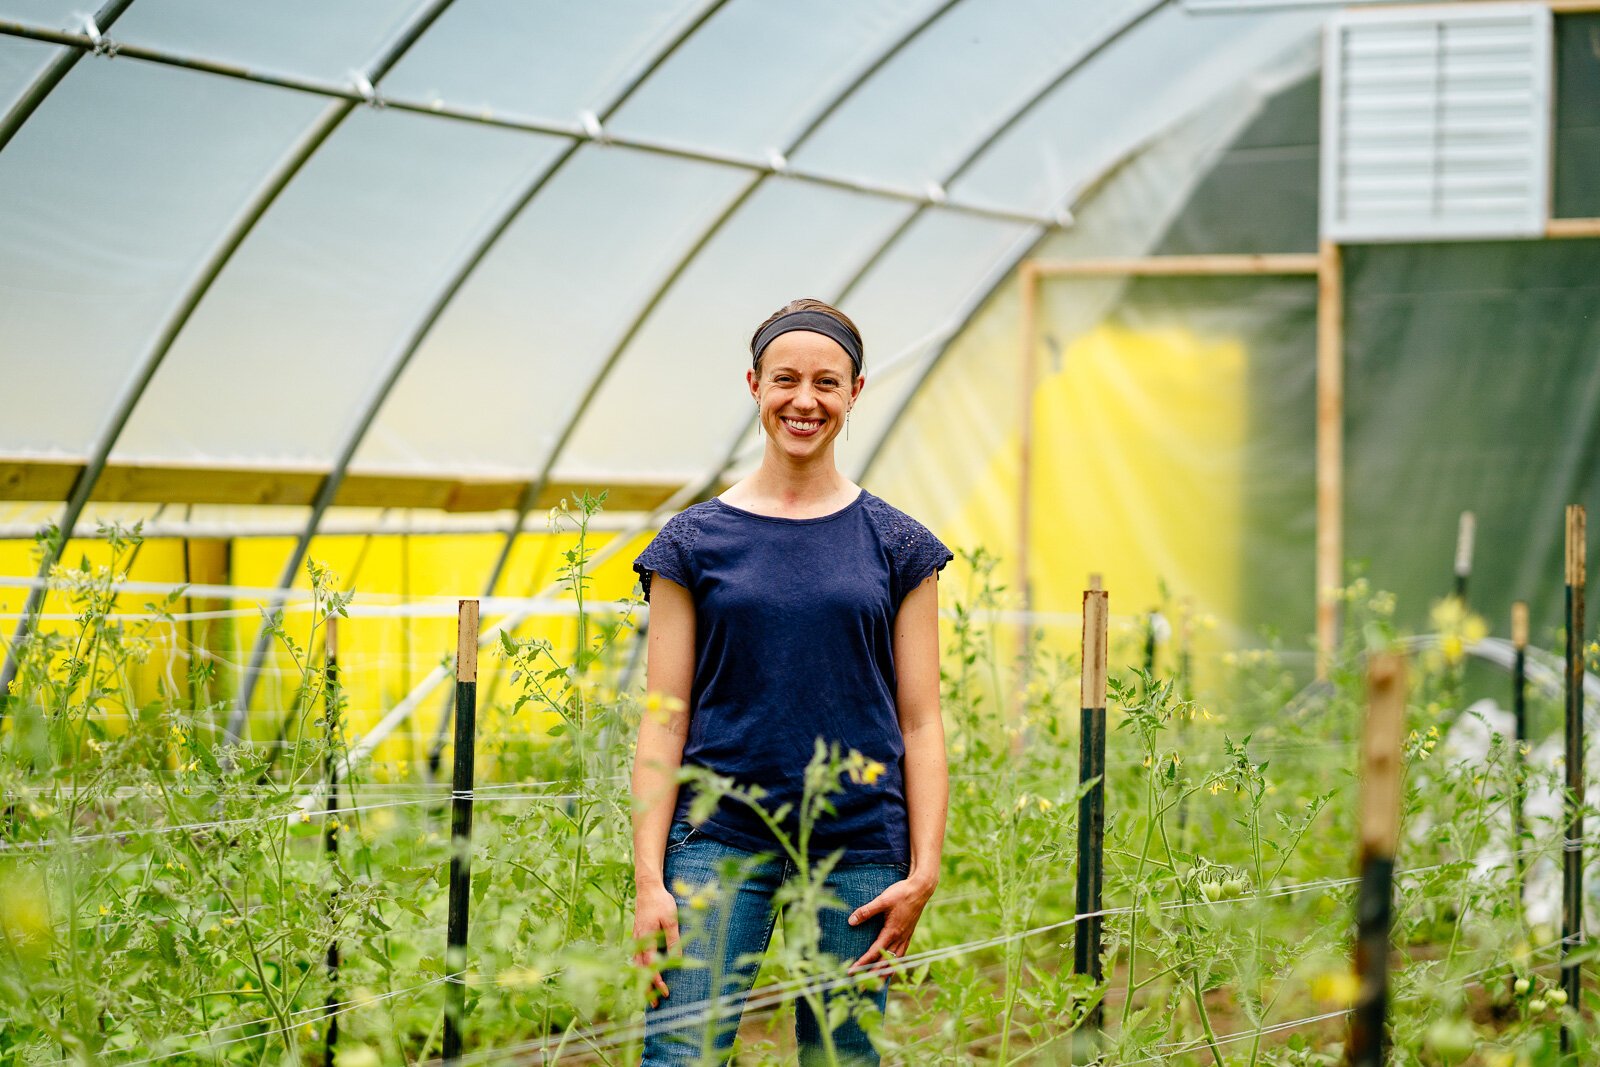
(530, 239)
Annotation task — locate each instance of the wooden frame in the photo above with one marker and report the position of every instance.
(1325, 266)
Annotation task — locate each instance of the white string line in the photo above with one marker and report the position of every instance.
(419, 789)
(297, 817)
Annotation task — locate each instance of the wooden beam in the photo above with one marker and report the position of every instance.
(1572, 228)
(1330, 451)
(1179, 266)
(47, 480)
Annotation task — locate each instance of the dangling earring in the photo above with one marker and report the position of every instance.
(847, 424)
(758, 420)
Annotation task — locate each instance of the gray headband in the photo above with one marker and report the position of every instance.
(814, 322)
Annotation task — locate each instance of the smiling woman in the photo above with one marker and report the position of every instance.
(795, 610)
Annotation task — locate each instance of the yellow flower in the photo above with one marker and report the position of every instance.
(1045, 805)
(1216, 787)
(1145, 762)
(517, 977)
(1335, 988)
(872, 770)
(305, 816)
(104, 910)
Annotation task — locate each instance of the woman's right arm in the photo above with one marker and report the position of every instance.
(663, 729)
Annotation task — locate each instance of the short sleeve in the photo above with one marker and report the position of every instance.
(669, 553)
(913, 550)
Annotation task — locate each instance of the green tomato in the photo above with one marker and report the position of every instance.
(1521, 986)
(1537, 1005)
(1211, 890)
(1451, 1039)
(1233, 887)
(1557, 997)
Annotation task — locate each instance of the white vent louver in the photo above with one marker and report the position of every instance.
(1436, 123)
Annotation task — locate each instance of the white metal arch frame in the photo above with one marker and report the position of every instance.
(692, 490)
(210, 269)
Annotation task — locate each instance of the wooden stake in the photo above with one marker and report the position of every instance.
(1092, 805)
(1464, 537)
(1028, 279)
(1380, 833)
(461, 825)
(1330, 451)
(1572, 937)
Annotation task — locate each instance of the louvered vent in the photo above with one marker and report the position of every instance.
(1436, 123)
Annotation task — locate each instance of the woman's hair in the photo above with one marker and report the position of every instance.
(807, 303)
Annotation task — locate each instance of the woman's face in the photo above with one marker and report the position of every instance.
(804, 390)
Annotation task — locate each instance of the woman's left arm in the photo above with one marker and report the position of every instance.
(927, 783)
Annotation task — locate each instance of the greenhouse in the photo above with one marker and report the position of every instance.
(360, 363)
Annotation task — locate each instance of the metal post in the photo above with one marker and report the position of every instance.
(1519, 713)
(330, 838)
(461, 825)
(1092, 805)
(1572, 852)
(1380, 832)
(1464, 539)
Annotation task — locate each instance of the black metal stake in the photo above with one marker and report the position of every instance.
(1572, 851)
(330, 833)
(1519, 759)
(1380, 833)
(1092, 806)
(461, 826)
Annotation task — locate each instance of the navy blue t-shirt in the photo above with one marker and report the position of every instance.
(794, 640)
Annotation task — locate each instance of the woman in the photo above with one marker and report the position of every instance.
(794, 606)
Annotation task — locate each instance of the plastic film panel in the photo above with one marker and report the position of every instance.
(547, 59)
(110, 197)
(673, 402)
(308, 37)
(21, 62)
(52, 14)
(282, 356)
(527, 333)
(916, 119)
(1118, 101)
(752, 76)
(1577, 116)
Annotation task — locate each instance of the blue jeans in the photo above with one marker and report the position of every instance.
(725, 920)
